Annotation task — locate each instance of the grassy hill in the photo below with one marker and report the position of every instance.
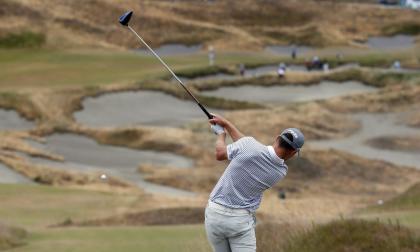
(403, 208)
(224, 23)
(408, 200)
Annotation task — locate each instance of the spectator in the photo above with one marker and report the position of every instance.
(281, 71)
(212, 56)
(396, 65)
(294, 53)
(242, 69)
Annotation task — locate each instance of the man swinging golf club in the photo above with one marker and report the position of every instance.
(253, 168)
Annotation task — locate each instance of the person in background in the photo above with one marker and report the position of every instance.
(326, 66)
(308, 64)
(212, 56)
(294, 53)
(281, 71)
(396, 65)
(242, 69)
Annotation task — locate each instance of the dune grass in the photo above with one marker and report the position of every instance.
(25, 39)
(355, 235)
(11, 237)
(407, 28)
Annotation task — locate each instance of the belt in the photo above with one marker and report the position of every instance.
(216, 206)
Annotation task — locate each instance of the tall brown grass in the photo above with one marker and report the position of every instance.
(339, 235)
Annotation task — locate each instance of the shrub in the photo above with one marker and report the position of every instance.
(407, 28)
(25, 39)
(355, 235)
(11, 237)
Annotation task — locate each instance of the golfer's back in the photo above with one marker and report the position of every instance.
(254, 168)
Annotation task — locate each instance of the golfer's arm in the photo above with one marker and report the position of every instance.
(234, 133)
(221, 150)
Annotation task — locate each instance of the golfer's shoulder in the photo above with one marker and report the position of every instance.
(248, 142)
(247, 139)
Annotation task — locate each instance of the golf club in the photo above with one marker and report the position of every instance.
(124, 20)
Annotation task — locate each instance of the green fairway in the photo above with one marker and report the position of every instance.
(66, 68)
(404, 208)
(35, 207)
(51, 68)
(407, 218)
(40, 206)
(150, 239)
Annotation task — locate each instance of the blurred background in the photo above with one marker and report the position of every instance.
(101, 150)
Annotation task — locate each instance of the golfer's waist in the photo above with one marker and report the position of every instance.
(234, 211)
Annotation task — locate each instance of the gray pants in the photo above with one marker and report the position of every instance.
(230, 232)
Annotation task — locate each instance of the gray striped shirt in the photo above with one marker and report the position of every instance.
(253, 169)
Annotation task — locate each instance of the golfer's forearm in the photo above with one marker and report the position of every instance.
(234, 133)
(221, 152)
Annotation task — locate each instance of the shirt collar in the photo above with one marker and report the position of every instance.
(274, 155)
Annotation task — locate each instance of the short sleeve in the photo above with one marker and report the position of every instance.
(235, 148)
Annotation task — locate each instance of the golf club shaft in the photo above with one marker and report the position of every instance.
(173, 74)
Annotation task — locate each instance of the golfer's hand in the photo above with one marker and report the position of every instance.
(217, 129)
(218, 120)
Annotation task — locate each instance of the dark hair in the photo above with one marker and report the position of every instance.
(285, 145)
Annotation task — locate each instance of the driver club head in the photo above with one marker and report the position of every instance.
(125, 18)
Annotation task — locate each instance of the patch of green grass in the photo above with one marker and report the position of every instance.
(355, 235)
(23, 68)
(25, 39)
(36, 205)
(408, 218)
(404, 208)
(127, 239)
(408, 200)
(52, 68)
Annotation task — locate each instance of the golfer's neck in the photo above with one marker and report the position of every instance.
(280, 152)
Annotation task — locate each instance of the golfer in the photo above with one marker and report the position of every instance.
(253, 168)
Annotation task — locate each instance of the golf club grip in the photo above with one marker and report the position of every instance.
(210, 116)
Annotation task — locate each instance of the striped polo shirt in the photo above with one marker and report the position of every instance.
(253, 168)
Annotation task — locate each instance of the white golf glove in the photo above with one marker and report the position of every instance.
(217, 129)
